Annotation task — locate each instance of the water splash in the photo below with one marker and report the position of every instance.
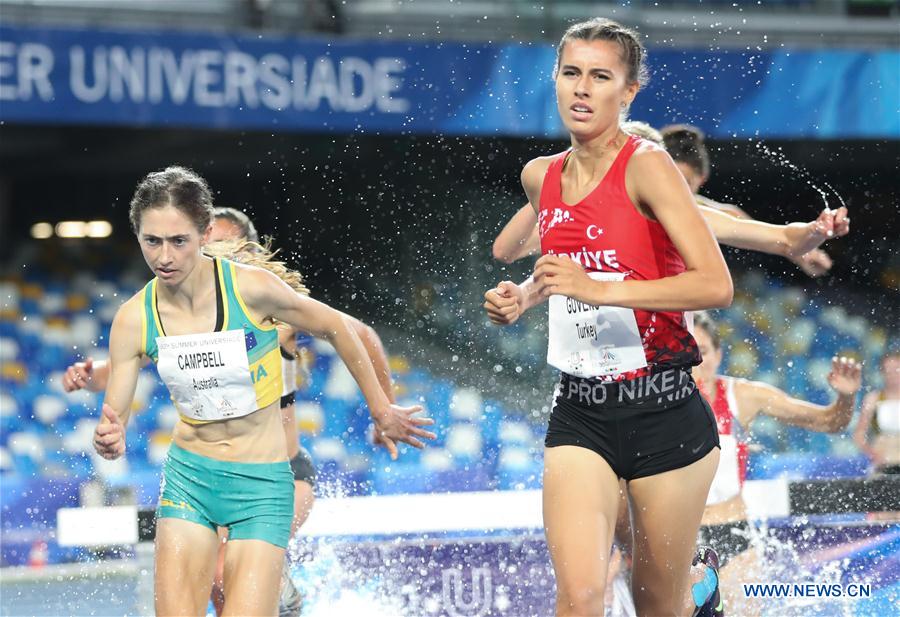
(780, 158)
(807, 553)
(329, 588)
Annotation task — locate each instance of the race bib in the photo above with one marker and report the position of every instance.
(208, 374)
(593, 341)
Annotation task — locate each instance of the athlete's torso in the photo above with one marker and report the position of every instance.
(226, 384)
(606, 234)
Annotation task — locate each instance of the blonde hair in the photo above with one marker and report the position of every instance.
(644, 130)
(259, 254)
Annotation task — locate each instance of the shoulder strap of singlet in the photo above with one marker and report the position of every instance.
(616, 172)
(151, 325)
(150, 328)
(223, 286)
(559, 161)
(551, 188)
(221, 309)
(237, 313)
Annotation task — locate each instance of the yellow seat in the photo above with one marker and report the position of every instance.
(14, 371)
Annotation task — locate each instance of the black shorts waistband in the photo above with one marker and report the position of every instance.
(660, 388)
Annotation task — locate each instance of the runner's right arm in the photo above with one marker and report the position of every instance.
(505, 303)
(124, 366)
(813, 263)
(797, 242)
(271, 297)
(845, 379)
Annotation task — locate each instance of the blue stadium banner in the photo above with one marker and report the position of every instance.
(241, 81)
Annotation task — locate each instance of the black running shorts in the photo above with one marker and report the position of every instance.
(303, 468)
(641, 427)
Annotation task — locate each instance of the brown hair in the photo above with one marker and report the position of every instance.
(703, 320)
(685, 144)
(248, 229)
(174, 186)
(601, 29)
(260, 255)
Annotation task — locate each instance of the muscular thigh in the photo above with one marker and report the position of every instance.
(581, 500)
(185, 563)
(252, 577)
(666, 510)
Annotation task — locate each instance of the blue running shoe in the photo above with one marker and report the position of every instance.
(707, 599)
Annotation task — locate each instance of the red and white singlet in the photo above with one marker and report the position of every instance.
(732, 470)
(609, 237)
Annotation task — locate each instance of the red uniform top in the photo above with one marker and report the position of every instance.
(732, 469)
(724, 409)
(604, 232)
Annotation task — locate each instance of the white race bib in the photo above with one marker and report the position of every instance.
(208, 374)
(593, 341)
(727, 481)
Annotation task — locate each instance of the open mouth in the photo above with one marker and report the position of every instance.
(580, 111)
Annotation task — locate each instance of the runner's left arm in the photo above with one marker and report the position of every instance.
(377, 355)
(124, 366)
(790, 241)
(271, 297)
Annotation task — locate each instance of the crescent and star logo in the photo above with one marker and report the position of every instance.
(593, 232)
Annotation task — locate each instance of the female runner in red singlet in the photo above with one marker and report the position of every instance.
(625, 253)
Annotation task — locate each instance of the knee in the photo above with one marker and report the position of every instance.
(586, 598)
(648, 603)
